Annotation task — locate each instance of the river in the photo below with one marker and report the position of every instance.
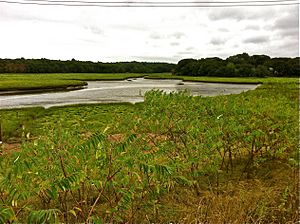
(130, 90)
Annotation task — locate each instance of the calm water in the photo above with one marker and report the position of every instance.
(131, 90)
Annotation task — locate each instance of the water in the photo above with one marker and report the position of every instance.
(131, 90)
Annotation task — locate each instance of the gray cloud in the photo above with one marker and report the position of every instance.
(94, 29)
(292, 46)
(87, 33)
(217, 41)
(256, 39)
(287, 27)
(227, 14)
(170, 59)
(223, 30)
(190, 48)
(184, 52)
(239, 14)
(174, 44)
(290, 21)
(252, 27)
(183, 17)
(156, 36)
(177, 35)
(289, 33)
(286, 49)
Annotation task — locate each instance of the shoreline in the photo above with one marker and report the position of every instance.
(40, 90)
(116, 92)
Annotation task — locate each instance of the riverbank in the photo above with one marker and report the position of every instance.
(232, 80)
(50, 82)
(41, 90)
(129, 90)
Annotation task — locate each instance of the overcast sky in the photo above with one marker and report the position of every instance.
(146, 34)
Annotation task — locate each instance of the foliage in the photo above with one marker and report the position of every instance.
(215, 156)
(32, 122)
(240, 65)
(43, 65)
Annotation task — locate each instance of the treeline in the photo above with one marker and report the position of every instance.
(240, 65)
(73, 66)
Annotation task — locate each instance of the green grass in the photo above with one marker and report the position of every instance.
(224, 79)
(48, 81)
(84, 118)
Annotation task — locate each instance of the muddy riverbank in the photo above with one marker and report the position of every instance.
(130, 90)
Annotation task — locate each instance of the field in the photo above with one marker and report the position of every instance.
(53, 81)
(174, 158)
(224, 79)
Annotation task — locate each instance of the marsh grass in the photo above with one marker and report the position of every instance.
(241, 80)
(50, 81)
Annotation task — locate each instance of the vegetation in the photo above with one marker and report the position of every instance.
(173, 158)
(48, 81)
(240, 80)
(56, 66)
(66, 80)
(240, 65)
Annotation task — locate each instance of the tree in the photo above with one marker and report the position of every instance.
(186, 67)
(257, 60)
(262, 71)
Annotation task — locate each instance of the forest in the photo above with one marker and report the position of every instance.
(240, 65)
(73, 66)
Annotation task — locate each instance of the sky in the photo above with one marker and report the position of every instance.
(146, 34)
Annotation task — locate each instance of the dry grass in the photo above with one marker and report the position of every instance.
(7, 148)
(236, 201)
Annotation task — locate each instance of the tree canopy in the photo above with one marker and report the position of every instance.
(43, 65)
(240, 65)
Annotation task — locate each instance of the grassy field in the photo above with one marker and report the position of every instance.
(174, 158)
(52, 81)
(48, 81)
(224, 79)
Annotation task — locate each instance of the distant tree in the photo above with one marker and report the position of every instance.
(237, 65)
(186, 67)
(257, 60)
(294, 67)
(210, 66)
(56, 66)
(241, 65)
(262, 71)
(245, 70)
(243, 58)
(280, 66)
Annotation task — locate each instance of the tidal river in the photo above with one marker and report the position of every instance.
(130, 90)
